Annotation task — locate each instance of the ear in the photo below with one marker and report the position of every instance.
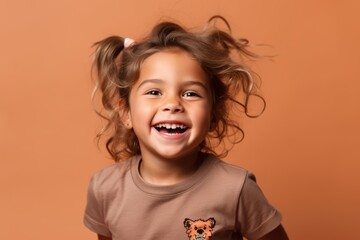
(187, 223)
(124, 114)
(211, 222)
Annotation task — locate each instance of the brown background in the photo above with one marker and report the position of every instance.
(304, 149)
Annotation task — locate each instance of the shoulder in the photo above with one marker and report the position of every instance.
(106, 179)
(102, 191)
(227, 170)
(226, 175)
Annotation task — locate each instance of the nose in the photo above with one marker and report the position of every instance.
(200, 231)
(173, 105)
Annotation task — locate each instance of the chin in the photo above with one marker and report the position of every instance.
(173, 155)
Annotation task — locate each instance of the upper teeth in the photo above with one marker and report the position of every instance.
(200, 237)
(170, 126)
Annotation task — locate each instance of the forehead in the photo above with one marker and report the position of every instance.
(172, 63)
(200, 223)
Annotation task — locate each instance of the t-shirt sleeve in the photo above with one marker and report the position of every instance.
(256, 216)
(94, 216)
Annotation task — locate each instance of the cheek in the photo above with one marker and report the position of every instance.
(204, 113)
(141, 114)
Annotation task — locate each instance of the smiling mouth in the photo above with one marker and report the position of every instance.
(171, 128)
(200, 237)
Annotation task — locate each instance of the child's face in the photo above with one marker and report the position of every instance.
(170, 106)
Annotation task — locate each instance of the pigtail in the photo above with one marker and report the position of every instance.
(106, 69)
(240, 78)
(105, 65)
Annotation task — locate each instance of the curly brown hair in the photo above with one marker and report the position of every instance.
(232, 82)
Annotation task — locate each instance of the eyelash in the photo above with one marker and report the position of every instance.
(153, 92)
(185, 94)
(190, 94)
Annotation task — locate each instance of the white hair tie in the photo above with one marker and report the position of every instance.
(128, 42)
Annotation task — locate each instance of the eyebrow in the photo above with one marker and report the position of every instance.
(155, 80)
(186, 83)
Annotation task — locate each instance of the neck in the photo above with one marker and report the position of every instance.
(169, 171)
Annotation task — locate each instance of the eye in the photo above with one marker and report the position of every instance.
(204, 227)
(153, 92)
(195, 228)
(190, 94)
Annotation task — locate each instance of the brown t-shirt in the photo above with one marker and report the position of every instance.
(220, 201)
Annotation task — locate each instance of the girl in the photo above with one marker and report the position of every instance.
(168, 100)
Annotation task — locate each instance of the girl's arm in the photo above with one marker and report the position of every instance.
(100, 237)
(276, 234)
